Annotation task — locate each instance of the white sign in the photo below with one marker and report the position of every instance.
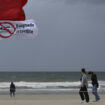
(18, 29)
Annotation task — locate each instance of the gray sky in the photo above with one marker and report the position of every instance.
(71, 36)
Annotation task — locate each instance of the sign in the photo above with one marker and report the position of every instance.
(18, 29)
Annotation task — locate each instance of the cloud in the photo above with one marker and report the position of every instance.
(94, 1)
(70, 34)
(79, 1)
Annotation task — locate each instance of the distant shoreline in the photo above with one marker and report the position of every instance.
(45, 71)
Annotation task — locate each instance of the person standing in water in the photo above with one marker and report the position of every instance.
(95, 85)
(83, 88)
(12, 89)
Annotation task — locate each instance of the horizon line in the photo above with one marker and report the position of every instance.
(48, 71)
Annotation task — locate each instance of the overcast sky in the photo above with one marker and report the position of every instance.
(71, 36)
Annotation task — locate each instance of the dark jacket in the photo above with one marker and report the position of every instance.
(94, 80)
(12, 87)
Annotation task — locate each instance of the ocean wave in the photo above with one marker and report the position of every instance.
(39, 85)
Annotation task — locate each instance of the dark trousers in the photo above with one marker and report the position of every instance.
(84, 93)
(12, 93)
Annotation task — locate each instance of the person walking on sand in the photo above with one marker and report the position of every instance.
(95, 85)
(83, 88)
(12, 89)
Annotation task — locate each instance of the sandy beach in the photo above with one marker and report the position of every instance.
(47, 99)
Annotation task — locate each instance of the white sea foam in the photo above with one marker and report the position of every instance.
(44, 85)
(40, 84)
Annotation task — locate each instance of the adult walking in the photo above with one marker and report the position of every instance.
(95, 85)
(83, 88)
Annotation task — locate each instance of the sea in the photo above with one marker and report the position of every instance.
(46, 82)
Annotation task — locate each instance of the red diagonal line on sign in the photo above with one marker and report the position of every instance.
(11, 33)
(6, 29)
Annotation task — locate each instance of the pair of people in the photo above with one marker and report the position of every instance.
(84, 85)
